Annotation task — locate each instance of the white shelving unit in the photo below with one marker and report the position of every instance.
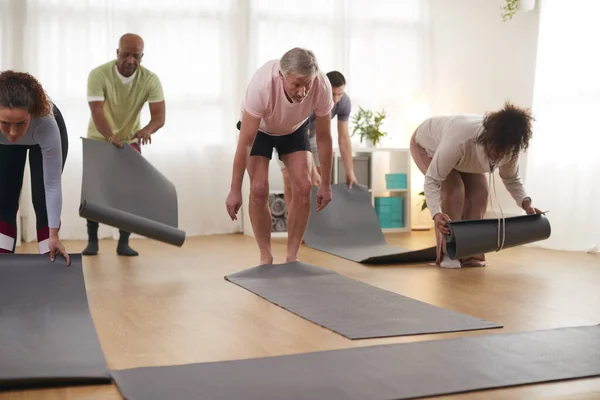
(380, 161)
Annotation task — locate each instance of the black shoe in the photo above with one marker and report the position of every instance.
(91, 249)
(123, 248)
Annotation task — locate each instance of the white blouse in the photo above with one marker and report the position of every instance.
(451, 142)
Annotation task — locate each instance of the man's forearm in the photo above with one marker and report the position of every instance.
(156, 122)
(346, 152)
(102, 125)
(324, 145)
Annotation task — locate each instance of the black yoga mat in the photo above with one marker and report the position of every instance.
(472, 237)
(349, 228)
(348, 307)
(122, 189)
(396, 371)
(47, 336)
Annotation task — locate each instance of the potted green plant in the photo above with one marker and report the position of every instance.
(510, 9)
(423, 202)
(368, 125)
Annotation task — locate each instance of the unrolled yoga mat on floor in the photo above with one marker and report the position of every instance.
(348, 307)
(384, 372)
(120, 188)
(47, 335)
(349, 228)
(471, 237)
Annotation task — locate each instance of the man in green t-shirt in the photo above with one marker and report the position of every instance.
(117, 92)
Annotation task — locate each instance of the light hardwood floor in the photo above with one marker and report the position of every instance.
(172, 305)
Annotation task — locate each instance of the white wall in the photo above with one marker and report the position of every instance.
(479, 61)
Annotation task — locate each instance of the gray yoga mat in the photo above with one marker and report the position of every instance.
(385, 372)
(120, 188)
(349, 228)
(472, 237)
(47, 335)
(348, 307)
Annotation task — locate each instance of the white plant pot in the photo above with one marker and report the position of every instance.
(526, 5)
(369, 143)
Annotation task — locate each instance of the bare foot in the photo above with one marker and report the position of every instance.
(266, 259)
(473, 263)
(291, 259)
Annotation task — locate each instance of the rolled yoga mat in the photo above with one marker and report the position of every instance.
(385, 372)
(348, 307)
(471, 237)
(349, 228)
(120, 188)
(47, 335)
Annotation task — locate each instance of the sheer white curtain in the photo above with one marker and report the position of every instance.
(563, 166)
(204, 52)
(5, 37)
(189, 45)
(381, 47)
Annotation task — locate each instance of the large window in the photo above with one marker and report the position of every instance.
(6, 39)
(379, 45)
(204, 52)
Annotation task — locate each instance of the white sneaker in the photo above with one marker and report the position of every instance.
(448, 263)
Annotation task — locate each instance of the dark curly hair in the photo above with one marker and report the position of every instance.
(507, 131)
(22, 90)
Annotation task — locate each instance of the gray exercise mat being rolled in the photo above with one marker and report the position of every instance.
(47, 335)
(471, 237)
(349, 228)
(120, 188)
(384, 372)
(348, 307)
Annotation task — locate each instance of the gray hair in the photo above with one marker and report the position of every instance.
(299, 61)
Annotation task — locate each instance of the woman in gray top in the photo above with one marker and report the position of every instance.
(29, 121)
(455, 152)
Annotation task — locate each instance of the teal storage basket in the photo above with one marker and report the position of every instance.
(390, 211)
(396, 181)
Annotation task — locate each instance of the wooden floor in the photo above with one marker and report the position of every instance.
(172, 306)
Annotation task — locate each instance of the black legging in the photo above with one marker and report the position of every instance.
(12, 168)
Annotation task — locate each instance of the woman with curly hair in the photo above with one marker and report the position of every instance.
(29, 121)
(455, 152)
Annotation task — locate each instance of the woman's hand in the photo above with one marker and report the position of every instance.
(529, 209)
(440, 223)
(532, 210)
(56, 247)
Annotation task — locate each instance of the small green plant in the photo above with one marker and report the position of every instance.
(509, 10)
(424, 202)
(368, 125)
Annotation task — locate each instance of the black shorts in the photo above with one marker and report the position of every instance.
(284, 144)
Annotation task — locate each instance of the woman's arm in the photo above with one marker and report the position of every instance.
(509, 173)
(47, 136)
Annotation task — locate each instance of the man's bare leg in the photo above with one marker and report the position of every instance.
(260, 216)
(298, 167)
(287, 188)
